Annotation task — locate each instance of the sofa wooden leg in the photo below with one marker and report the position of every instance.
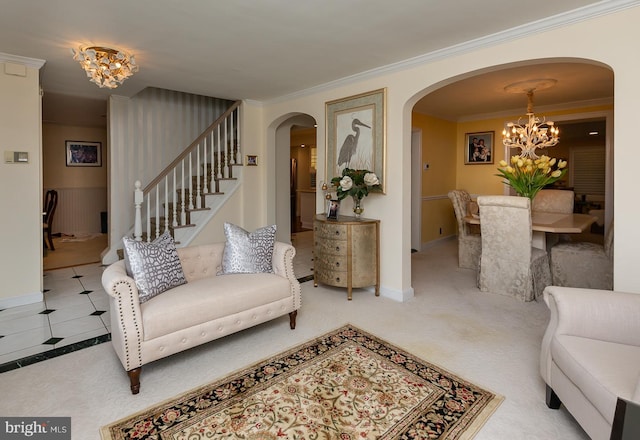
(552, 399)
(292, 319)
(134, 378)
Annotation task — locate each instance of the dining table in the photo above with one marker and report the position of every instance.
(543, 223)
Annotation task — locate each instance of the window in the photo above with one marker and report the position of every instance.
(588, 169)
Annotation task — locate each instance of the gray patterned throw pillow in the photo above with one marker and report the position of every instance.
(155, 266)
(248, 252)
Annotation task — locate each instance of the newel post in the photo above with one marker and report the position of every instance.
(138, 198)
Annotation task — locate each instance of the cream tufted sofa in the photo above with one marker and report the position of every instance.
(207, 307)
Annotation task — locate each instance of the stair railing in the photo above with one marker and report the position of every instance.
(182, 186)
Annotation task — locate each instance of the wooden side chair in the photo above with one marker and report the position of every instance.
(50, 204)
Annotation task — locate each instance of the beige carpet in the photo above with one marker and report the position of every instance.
(490, 340)
(74, 251)
(346, 384)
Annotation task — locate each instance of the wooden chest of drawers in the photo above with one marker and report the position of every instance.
(346, 252)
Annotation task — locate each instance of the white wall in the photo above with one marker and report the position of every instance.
(609, 39)
(20, 184)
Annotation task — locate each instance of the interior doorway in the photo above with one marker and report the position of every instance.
(303, 163)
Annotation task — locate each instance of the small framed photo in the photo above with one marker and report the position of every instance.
(83, 154)
(478, 148)
(333, 206)
(252, 160)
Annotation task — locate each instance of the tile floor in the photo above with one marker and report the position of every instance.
(75, 312)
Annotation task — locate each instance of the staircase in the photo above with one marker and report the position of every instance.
(188, 193)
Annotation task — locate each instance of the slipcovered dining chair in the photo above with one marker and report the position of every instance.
(554, 200)
(509, 265)
(469, 242)
(50, 204)
(584, 264)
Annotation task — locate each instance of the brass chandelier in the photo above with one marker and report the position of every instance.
(105, 67)
(536, 132)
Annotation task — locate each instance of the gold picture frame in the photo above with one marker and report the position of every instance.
(252, 160)
(356, 134)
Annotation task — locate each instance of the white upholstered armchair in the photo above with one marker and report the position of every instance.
(469, 242)
(591, 354)
(509, 265)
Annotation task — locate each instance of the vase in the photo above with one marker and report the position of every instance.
(357, 206)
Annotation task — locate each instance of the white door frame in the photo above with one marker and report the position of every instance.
(416, 189)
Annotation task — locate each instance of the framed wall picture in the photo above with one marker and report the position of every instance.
(356, 134)
(478, 148)
(252, 160)
(83, 154)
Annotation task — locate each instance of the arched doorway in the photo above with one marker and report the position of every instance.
(476, 102)
(294, 186)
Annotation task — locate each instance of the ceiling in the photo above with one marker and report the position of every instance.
(263, 50)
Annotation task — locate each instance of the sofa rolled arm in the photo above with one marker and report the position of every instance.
(595, 314)
(283, 254)
(126, 317)
(589, 313)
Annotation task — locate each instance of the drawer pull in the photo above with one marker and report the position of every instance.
(338, 279)
(338, 248)
(337, 232)
(338, 264)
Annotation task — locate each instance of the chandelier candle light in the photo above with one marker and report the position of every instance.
(536, 133)
(105, 67)
(528, 173)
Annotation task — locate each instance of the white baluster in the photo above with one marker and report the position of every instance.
(148, 217)
(198, 189)
(183, 215)
(175, 201)
(190, 183)
(231, 138)
(138, 198)
(238, 132)
(157, 211)
(166, 204)
(205, 188)
(220, 159)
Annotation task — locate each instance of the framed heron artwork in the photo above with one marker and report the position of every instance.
(356, 134)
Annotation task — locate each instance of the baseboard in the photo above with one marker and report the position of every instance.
(435, 242)
(397, 295)
(22, 300)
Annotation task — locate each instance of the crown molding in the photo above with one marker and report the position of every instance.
(29, 62)
(538, 110)
(601, 8)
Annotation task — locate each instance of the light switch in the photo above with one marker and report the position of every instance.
(16, 157)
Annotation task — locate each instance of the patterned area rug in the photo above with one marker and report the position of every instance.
(344, 385)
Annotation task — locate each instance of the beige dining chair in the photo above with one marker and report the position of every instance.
(554, 200)
(584, 264)
(469, 241)
(509, 264)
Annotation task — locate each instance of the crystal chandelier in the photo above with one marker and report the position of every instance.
(104, 66)
(536, 133)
